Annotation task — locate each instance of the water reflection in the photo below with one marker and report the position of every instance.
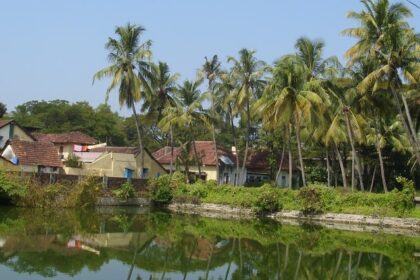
(133, 244)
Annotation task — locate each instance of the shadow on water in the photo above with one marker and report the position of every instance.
(141, 244)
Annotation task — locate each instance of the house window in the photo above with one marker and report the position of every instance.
(11, 131)
(144, 173)
(128, 173)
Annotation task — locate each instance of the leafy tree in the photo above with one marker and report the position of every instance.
(3, 109)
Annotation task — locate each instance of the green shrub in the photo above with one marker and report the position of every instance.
(267, 202)
(72, 161)
(125, 191)
(87, 191)
(403, 200)
(178, 180)
(160, 190)
(310, 199)
(12, 186)
(315, 174)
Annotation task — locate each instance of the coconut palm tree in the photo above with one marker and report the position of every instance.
(224, 106)
(128, 57)
(163, 86)
(211, 69)
(385, 36)
(188, 114)
(289, 100)
(247, 71)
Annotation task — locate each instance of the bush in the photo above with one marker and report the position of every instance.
(12, 186)
(177, 180)
(267, 202)
(72, 161)
(125, 191)
(316, 174)
(160, 190)
(87, 191)
(310, 198)
(404, 200)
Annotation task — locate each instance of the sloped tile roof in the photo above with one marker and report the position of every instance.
(36, 153)
(259, 160)
(205, 150)
(74, 137)
(5, 122)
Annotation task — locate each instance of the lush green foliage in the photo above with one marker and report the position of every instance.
(160, 190)
(267, 202)
(125, 191)
(11, 186)
(72, 161)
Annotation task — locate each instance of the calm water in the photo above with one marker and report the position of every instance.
(131, 244)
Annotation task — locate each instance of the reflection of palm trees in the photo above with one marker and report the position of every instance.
(230, 259)
(189, 259)
(337, 266)
(298, 265)
(137, 251)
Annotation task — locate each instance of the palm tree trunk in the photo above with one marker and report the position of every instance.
(248, 128)
(340, 161)
(354, 155)
(412, 138)
(172, 149)
(328, 168)
(410, 122)
(213, 127)
(280, 166)
(302, 167)
(290, 160)
(372, 182)
(381, 165)
(230, 259)
(235, 142)
(133, 107)
(197, 161)
(352, 172)
(337, 266)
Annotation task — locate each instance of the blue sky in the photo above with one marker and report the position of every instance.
(51, 49)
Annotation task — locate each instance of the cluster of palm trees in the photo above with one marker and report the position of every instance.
(312, 103)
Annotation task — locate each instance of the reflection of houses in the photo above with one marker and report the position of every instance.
(31, 156)
(207, 156)
(259, 170)
(9, 129)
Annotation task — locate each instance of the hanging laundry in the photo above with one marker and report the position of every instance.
(77, 148)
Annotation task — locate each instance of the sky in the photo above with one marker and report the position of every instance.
(51, 49)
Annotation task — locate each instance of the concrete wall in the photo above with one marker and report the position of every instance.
(17, 132)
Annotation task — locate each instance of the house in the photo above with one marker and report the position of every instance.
(32, 156)
(207, 156)
(258, 170)
(68, 142)
(10, 129)
(257, 167)
(122, 162)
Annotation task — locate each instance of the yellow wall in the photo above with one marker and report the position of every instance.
(114, 165)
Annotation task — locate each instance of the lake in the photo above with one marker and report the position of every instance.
(132, 243)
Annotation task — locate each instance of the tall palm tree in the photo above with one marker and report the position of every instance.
(288, 100)
(224, 106)
(163, 86)
(384, 35)
(247, 71)
(188, 114)
(211, 69)
(127, 55)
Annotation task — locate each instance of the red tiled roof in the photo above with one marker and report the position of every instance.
(205, 150)
(74, 137)
(258, 160)
(110, 149)
(5, 122)
(36, 153)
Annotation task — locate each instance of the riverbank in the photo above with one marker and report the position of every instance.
(352, 222)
